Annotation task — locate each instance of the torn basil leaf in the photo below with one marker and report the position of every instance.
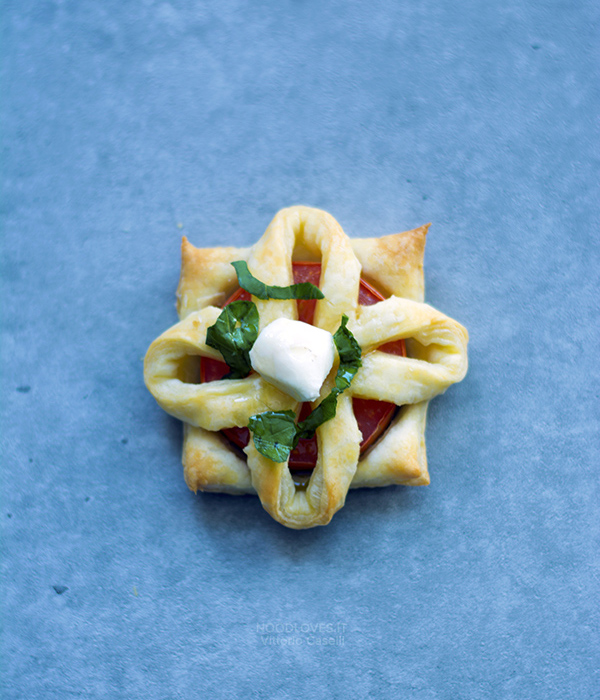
(349, 352)
(233, 335)
(276, 433)
(320, 414)
(247, 281)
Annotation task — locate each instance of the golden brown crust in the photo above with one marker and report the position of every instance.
(207, 277)
(437, 358)
(211, 465)
(394, 264)
(400, 456)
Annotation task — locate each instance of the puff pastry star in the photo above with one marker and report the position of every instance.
(437, 358)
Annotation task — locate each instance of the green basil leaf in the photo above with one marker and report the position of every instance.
(320, 414)
(233, 335)
(274, 434)
(349, 352)
(247, 281)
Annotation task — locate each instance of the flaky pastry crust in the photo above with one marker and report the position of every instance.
(437, 358)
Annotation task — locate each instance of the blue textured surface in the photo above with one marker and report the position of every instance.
(126, 124)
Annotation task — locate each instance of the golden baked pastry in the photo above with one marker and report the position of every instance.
(436, 348)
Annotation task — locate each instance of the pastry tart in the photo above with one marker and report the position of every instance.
(409, 353)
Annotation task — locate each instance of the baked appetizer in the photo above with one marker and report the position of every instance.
(303, 366)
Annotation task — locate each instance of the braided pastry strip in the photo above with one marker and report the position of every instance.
(438, 358)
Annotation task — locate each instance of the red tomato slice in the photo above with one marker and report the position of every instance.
(373, 417)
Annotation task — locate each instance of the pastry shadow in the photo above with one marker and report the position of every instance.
(174, 431)
(243, 520)
(382, 507)
(240, 523)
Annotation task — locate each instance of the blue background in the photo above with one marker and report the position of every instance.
(126, 124)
